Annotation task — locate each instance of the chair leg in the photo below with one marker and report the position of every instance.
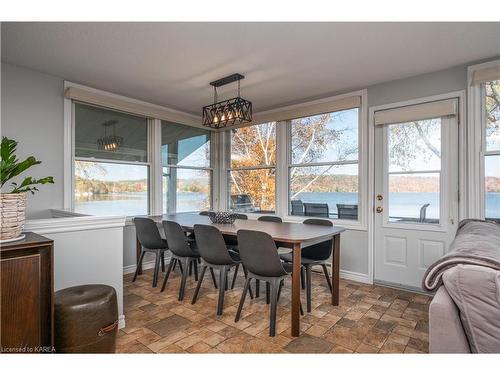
(139, 264)
(246, 276)
(325, 271)
(222, 290)
(257, 288)
(274, 302)
(190, 268)
(157, 269)
(162, 261)
(308, 288)
(169, 269)
(279, 289)
(268, 296)
(213, 277)
(184, 279)
(195, 266)
(198, 285)
(242, 299)
(235, 274)
(302, 278)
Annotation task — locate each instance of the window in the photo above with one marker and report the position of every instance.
(323, 173)
(414, 171)
(491, 103)
(252, 174)
(111, 166)
(186, 167)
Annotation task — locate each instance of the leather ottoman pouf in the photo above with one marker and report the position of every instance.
(86, 319)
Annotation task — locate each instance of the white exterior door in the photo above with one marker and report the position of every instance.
(416, 196)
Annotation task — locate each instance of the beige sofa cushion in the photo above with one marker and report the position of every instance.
(476, 292)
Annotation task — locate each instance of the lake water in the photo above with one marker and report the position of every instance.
(401, 204)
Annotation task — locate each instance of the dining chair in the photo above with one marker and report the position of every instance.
(347, 211)
(314, 255)
(297, 207)
(204, 213)
(151, 242)
(183, 251)
(215, 255)
(260, 257)
(241, 216)
(274, 219)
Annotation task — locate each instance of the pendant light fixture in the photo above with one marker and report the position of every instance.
(109, 142)
(228, 112)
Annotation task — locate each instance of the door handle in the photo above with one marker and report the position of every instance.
(379, 209)
(380, 197)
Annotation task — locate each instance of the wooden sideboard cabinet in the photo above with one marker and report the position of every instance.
(27, 295)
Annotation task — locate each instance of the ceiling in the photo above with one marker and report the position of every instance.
(171, 64)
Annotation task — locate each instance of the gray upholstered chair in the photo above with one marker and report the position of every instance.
(347, 211)
(297, 207)
(314, 255)
(274, 219)
(215, 255)
(183, 251)
(260, 257)
(151, 241)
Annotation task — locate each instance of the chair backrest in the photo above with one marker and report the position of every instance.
(176, 239)
(274, 219)
(240, 216)
(316, 209)
(211, 244)
(322, 250)
(148, 233)
(297, 207)
(259, 254)
(347, 211)
(203, 213)
(423, 212)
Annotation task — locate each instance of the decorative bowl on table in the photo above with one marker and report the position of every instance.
(222, 217)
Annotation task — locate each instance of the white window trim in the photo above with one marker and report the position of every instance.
(476, 146)
(155, 193)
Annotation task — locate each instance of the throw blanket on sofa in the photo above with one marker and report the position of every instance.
(477, 242)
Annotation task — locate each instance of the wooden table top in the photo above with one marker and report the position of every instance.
(283, 232)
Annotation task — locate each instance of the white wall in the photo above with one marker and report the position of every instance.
(32, 114)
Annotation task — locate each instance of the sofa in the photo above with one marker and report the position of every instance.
(464, 315)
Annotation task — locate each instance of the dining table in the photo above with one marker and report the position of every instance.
(285, 234)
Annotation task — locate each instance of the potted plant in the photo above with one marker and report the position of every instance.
(13, 202)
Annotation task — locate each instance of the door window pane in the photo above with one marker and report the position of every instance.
(111, 188)
(415, 146)
(184, 145)
(253, 146)
(324, 191)
(328, 137)
(105, 134)
(186, 190)
(414, 198)
(252, 190)
(492, 98)
(492, 186)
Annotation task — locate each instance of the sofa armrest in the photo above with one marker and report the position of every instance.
(446, 334)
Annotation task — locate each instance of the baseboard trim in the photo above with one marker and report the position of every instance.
(121, 321)
(355, 276)
(145, 266)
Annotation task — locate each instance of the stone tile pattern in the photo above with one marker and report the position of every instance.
(369, 319)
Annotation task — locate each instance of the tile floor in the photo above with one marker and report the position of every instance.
(369, 319)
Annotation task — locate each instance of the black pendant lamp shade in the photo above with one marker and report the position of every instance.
(228, 112)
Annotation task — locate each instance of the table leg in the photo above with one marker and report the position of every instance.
(335, 269)
(138, 254)
(296, 290)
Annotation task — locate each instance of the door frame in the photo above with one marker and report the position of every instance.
(462, 158)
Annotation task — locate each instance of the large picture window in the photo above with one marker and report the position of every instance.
(491, 103)
(252, 174)
(111, 166)
(186, 167)
(323, 171)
